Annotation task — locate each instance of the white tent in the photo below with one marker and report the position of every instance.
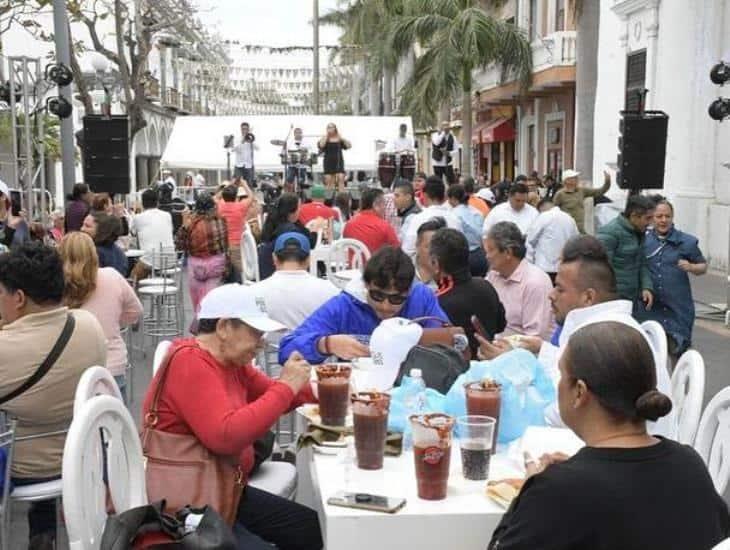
(197, 142)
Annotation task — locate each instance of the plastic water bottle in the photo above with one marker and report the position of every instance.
(415, 403)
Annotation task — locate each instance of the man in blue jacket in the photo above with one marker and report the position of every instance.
(387, 289)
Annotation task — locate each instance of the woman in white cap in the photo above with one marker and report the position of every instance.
(626, 488)
(213, 392)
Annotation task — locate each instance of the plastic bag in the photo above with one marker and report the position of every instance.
(526, 391)
(398, 415)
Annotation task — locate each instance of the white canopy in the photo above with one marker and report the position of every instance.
(197, 142)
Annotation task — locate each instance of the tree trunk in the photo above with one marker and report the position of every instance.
(585, 85)
(373, 95)
(466, 124)
(81, 87)
(387, 91)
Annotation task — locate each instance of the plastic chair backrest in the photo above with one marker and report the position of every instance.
(95, 381)
(658, 339)
(160, 353)
(713, 439)
(103, 427)
(347, 254)
(249, 257)
(7, 444)
(688, 390)
(724, 545)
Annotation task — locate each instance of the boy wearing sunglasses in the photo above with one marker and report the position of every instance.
(342, 326)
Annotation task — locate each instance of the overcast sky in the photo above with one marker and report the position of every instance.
(267, 22)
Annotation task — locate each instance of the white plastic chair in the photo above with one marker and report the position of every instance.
(95, 381)
(713, 439)
(102, 423)
(688, 390)
(160, 353)
(249, 258)
(658, 339)
(724, 545)
(346, 257)
(6, 442)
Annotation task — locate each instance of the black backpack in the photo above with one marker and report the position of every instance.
(440, 366)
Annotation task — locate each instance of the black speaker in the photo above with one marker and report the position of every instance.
(106, 153)
(642, 150)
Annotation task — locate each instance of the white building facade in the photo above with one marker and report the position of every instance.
(671, 46)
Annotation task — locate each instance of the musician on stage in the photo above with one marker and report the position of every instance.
(331, 146)
(297, 171)
(402, 143)
(443, 151)
(244, 153)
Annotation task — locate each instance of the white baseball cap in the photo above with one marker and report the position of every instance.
(4, 189)
(235, 301)
(486, 194)
(570, 173)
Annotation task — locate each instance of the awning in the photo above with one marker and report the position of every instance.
(499, 129)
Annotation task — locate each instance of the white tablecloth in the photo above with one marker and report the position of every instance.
(466, 518)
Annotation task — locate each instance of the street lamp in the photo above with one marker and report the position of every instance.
(102, 68)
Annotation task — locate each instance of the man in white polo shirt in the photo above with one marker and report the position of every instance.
(515, 210)
(291, 294)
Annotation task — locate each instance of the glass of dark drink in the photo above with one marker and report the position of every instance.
(432, 453)
(370, 418)
(475, 435)
(333, 387)
(484, 398)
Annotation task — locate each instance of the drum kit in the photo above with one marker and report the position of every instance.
(300, 160)
(391, 165)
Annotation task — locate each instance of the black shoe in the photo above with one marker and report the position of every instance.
(44, 541)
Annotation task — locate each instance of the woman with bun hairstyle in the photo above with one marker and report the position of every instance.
(625, 489)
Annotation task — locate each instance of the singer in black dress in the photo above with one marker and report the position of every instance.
(331, 147)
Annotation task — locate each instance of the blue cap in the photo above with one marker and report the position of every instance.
(292, 240)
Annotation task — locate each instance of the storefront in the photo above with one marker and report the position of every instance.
(494, 144)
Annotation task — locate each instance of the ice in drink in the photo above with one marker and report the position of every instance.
(333, 387)
(432, 453)
(370, 418)
(475, 435)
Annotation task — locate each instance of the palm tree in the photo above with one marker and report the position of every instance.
(587, 16)
(457, 37)
(364, 23)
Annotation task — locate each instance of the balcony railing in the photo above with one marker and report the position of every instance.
(172, 99)
(554, 50)
(152, 89)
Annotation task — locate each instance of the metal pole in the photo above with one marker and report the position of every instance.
(63, 55)
(315, 72)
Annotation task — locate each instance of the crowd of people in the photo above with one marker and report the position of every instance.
(514, 257)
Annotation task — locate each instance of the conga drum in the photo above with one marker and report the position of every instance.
(408, 166)
(386, 169)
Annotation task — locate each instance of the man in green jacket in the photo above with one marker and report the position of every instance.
(623, 239)
(570, 198)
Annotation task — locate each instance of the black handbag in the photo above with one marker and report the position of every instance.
(440, 366)
(147, 527)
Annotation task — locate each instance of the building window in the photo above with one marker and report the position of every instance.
(559, 15)
(533, 20)
(635, 79)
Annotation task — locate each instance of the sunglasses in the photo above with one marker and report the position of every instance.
(393, 299)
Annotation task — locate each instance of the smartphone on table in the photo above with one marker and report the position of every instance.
(366, 501)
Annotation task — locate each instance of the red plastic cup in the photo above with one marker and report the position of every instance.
(432, 435)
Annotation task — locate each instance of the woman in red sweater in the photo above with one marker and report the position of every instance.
(214, 393)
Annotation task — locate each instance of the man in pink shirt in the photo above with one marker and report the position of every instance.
(317, 208)
(369, 225)
(522, 287)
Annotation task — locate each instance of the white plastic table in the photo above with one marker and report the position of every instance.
(466, 519)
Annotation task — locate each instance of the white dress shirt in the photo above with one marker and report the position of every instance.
(547, 236)
(400, 144)
(410, 233)
(244, 154)
(614, 310)
(505, 213)
(436, 138)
